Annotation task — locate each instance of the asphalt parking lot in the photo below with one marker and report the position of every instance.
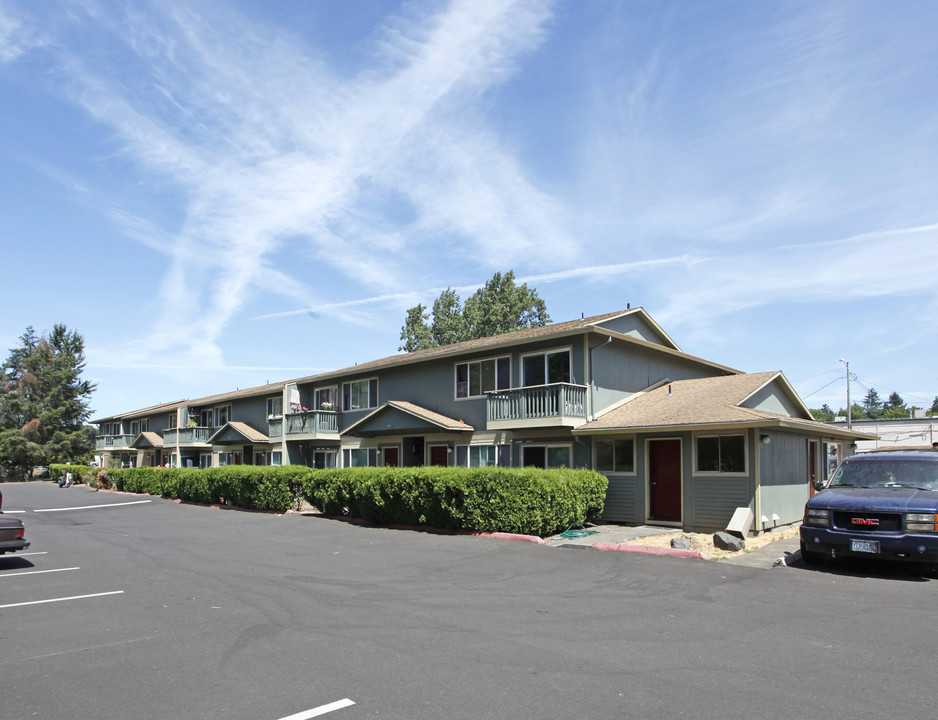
(129, 606)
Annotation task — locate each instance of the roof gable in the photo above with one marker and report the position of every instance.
(234, 433)
(397, 417)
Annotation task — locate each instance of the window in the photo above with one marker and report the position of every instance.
(721, 453)
(206, 418)
(274, 407)
(325, 398)
(323, 459)
(483, 455)
(545, 456)
(275, 457)
(222, 415)
(360, 457)
(546, 368)
(474, 379)
(171, 421)
(205, 460)
(360, 394)
(615, 455)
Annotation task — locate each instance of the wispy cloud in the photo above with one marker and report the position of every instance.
(280, 157)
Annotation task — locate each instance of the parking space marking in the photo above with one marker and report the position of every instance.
(40, 552)
(12, 512)
(321, 710)
(62, 599)
(37, 572)
(93, 507)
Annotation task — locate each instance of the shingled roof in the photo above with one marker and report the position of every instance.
(704, 402)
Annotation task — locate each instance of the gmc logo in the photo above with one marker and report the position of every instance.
(865, 521)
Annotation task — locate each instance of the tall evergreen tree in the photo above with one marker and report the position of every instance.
(499, 306)
(43, 401)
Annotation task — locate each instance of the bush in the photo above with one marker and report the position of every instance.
(521, 500)
(247, 486)
(80, 473)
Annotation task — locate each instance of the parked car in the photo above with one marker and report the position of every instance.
(881, 505)
(12, 532)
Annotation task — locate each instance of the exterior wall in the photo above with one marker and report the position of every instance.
(621, 370)
(917, 432)
(784, 475)
(772, 399)
(709, 499)
(635, 326)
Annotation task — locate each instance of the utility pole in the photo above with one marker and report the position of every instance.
(849, 421)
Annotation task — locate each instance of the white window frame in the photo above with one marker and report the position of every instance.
(171, 423)
(274, 457)
(614, 440)
(226, 409)
(466, 395)
(274, 407)
(205, 460)
(371, 456)
(328, 394)
(552, 351)
(502, 452)
(372, 401)
(711, 473)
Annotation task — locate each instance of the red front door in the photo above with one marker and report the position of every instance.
(664, 475)
(390, 457)
(439, 455)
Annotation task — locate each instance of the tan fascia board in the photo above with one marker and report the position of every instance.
(691, 427)
(779, 375)
(138, 413)
(829, 431)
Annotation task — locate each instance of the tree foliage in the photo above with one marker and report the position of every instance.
(498, 307)
(43, 401)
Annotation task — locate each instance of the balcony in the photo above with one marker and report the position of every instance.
(554, 405)
(113, 442)
(197, 436)
(310, 425)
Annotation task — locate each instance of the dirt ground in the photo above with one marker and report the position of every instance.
(703, 542)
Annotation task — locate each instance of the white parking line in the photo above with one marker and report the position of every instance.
(42, 552)
(321, 710)
(12, 512)
(62, 599)
(93, 507)
(37, 572)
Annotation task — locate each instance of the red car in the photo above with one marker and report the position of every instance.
(12, 533)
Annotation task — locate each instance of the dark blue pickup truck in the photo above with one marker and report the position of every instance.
(876, 505)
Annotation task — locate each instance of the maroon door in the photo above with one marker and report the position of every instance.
(390, 457)
(664, 465)
(439, 455)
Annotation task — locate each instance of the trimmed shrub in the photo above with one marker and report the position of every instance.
(247, 486)
(520, 500)
(80, 473)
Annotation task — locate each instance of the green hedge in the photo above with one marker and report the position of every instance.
(80, 473)
(247, 486)
(519, 500)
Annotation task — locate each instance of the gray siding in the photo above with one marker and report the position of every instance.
(635, 326)
(622, 501)
(773, 399)
(784, 476)
(716, 499)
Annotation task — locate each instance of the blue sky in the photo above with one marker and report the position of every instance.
(217, 195)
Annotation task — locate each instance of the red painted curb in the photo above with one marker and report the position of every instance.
(694, 554)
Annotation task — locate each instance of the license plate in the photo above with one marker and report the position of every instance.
(864, 546)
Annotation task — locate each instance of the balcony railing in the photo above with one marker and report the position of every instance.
(540, 405)
(313, 422)
(113, 442)
(187, 436)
